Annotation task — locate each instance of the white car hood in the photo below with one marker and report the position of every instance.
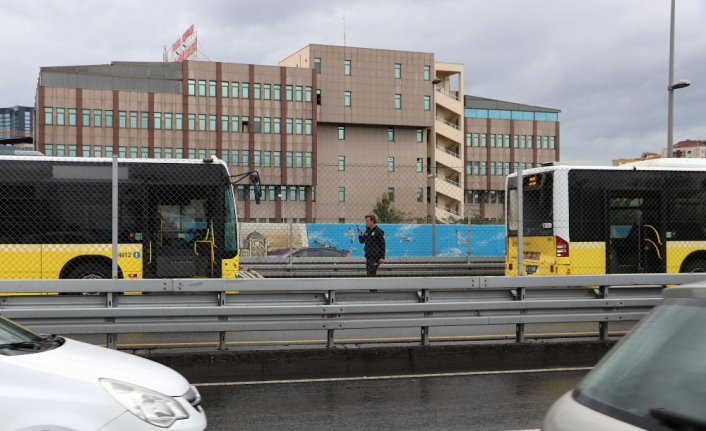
(87, 361)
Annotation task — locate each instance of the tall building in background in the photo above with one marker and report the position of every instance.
(16, 122)
(330, 129)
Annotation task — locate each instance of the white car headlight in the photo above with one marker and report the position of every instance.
(150, 406)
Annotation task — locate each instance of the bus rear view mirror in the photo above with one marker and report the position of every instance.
(255, 180)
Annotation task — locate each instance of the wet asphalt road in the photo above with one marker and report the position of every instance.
(516, 401)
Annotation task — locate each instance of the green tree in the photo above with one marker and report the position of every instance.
(386, 212)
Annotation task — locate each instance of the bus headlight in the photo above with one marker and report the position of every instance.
(150, 406)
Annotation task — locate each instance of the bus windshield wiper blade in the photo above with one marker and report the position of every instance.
(672, 417)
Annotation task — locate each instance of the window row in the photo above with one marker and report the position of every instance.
(495, 168)
(390, 134)
(169, 121)
(503, 141)
(485, 196)
(241, 90)
(348, 100)
(347, 69)
(292, 159)
(390, 194)
(278, 192)
(511, 115)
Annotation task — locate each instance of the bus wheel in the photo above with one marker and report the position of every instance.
(88, 271)
(696, 265)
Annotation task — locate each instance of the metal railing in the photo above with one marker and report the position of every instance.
(447, 94)
(218, 305)
(448, 180)
(458, 156)
(448, 210)
(448, 123)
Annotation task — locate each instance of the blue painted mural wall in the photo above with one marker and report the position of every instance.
(414, 240)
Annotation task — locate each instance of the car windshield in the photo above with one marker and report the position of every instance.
(660, 365)
(11, 332)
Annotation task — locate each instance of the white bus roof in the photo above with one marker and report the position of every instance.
(43, 158)
(653, 164)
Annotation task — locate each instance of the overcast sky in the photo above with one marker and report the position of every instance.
(603, 63)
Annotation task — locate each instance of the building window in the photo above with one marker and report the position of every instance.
(313, 197)
(157, 153)
(202, 121)
(390, 134)
(212, 123)
(72, 150)
(398, 101)
(341, 163)
(133, 152)
(257, 158)
(202, 87)
(245, 90)
(483, 168)
(97, 151)
(144, 116)
(86, 149)
(278, 159)
(256, 91)
(390, 164)
(529, 141)
(307, 94)
(245, 157)
(86, 117)
(278, 96)
(391, 193)
(121, 119)
(499, 171)
(516, 167)
(545, 142)
(60, 119)
(277, 126)
(302, 193)
(224, 88)
(167, 121)
(522, 141)
(108, 118)
(60, 149)
(299, 130)
(122, 152)
(72, 116)
(293, 194)
(48, 150)
(257, 125)
(168, 153)
(234, 124)
(288, 160)
(346, 67)
(420, 135)
(191, 87)
(224, 123)
(48, 116)
(299, 159)
(551, 142)
(288, 92)
(224, 156)
(515, 141)
(420, 194)
(427, 73)
(298, 93)
(317, 65)
(245, 122)
(492, 168)
(158, 120)
(235, 158)
(341, 194)
(341, 132)
(268, 159)
(420, 164)
(133, 120)
(468, 139)
(468, 168)
(234, 90)
(492, 140)
(179, 121)
(266, 93)
(144, 153)
(212, 88)
(398, 71)
(507, 168)
(346, 98)
(191, 122)
(288, 126)
(476, 168)
(307, 126)
(267, 125)
(483, 138)
(427, 103)
(476, 139)
(507, 141)
(318, 97)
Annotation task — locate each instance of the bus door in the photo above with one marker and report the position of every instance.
(635, 244)
(181, 241)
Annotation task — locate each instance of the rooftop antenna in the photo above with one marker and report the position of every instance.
(344, 31)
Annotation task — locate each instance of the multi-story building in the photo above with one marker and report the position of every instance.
(500, 138)
(690, 148)
(330, 129)
(646, 155)
(16, 122)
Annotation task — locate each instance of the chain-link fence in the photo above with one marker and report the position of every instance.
(576, 220)
(177, 218)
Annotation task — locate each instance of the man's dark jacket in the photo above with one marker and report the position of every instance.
(374, 240)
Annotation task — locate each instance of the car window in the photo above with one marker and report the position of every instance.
(659, 365)
(331, 253)
(10, 332)
(305, 253)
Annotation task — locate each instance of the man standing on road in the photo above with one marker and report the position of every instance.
(374, 239)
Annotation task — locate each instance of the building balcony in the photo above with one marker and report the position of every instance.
(449, 159)
(448, 100)
(449, 188)
(449, 130)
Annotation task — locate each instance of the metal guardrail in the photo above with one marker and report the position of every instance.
(447, 94)
(212, 305)
(273, 267)
(448, 123)
(447, 151)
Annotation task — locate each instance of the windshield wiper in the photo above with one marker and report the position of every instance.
(31, 345)
(676, 420)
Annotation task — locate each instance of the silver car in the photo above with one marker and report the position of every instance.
(654, 379)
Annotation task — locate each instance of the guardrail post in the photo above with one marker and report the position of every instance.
(425, 329)
(603, 326)
(222, 334)
(111, 339)
(520, 327)
(331, 300)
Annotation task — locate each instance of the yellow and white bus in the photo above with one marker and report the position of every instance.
(177, 218)
(644, 217)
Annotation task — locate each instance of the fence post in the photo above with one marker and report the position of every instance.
(222, 335)
(520, 327)
(111, 339)
(603, 326)
(115, 216)
(331, 300)
(468, 236)
(425, 329)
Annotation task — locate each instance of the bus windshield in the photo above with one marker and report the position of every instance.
(538, 206)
